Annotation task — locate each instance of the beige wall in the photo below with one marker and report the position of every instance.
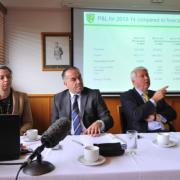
(24, 52)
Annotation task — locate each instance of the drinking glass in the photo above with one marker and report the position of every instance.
(132, 142)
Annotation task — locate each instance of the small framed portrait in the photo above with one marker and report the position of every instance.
(56, 51)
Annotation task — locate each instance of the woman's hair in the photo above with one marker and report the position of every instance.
(6, 68)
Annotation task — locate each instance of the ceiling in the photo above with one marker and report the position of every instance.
(107, 4)
(32, 3)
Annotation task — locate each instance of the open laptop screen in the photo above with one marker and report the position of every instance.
(9, 137)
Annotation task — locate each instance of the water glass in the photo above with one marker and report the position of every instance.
(131, 141)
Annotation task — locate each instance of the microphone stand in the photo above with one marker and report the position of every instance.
(38, 167)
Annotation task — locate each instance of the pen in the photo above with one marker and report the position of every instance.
(77, 142)
(139, 136)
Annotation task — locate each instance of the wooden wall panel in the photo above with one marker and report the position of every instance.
(174, 101)
(41, 110)
(112, 104)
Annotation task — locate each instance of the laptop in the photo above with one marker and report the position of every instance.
(9, 137)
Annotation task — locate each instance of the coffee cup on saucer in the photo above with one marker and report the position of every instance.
(31, 134)
(91, 153)
(163, 138)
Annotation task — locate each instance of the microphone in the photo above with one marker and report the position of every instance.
(56, 132)
(51, 137)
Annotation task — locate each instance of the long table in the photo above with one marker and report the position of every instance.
(151, 162)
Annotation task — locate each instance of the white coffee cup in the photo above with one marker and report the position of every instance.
(91, 153)
(163, 138)
(31, 134)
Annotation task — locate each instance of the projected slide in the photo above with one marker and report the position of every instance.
(115, 43)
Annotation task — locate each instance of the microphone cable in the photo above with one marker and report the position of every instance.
(23, 164)
(20, 163)
(21, 167)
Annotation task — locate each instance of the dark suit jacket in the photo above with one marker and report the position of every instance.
(93, 107)
(136, 111)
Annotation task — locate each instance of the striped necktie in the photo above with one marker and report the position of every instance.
(75, 117)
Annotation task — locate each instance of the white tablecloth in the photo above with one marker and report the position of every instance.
(150, 163)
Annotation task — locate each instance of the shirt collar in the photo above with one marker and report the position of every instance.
(72, 94)
(139, 91)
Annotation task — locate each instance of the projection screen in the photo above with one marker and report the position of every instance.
(108, 45)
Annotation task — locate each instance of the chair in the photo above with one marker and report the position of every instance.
(123, 121)
(170, 126)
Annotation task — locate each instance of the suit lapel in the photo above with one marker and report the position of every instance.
(67, 104)
(83, 102)
(150, 93)
(137, 96)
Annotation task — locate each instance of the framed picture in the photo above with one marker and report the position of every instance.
(56, 51)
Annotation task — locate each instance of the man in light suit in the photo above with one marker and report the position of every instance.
(94, 115)
(145, 110)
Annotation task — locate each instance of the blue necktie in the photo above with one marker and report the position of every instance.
(75, 117)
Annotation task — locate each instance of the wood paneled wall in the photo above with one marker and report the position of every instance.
(41, 109)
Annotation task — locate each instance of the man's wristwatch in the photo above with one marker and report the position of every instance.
(100, 122)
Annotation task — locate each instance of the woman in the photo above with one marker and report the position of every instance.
(14, 102)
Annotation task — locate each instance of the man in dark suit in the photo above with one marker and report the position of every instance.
(93, 113)
(145, 110)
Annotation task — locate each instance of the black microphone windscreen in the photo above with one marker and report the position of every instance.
(56, 132)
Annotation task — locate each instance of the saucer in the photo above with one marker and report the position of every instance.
(29, 140)
(101, 160)
(171, 144)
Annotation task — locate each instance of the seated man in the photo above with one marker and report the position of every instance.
(145, 110)
(83, 106)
